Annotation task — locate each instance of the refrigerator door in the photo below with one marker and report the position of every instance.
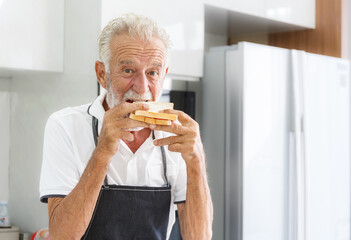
(258, 113)
(326, 90)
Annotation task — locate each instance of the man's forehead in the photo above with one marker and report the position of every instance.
(153, 62)
(123, 40)
(127, 50)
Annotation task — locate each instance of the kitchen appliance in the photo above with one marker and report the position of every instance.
(10, 233)
(277, 137)
(183, 101)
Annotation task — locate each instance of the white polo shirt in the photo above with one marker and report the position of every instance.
(69, 144)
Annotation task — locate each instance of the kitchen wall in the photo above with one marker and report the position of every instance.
(36, 96)
(5, 84)
(5, 97)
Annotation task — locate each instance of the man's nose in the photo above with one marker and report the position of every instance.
(141, 84)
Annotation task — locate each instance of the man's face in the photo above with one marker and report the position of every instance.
(137, 70)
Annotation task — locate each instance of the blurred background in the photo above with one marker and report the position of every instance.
(267, 80)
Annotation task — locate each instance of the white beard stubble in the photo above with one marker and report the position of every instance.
(113, 99)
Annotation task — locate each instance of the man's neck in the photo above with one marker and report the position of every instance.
(139, 139)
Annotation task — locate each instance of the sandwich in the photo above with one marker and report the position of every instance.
(153, 115)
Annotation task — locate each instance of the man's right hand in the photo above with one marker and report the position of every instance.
(69, 217)
(115, 127)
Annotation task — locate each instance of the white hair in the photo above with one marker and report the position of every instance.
(137, 26)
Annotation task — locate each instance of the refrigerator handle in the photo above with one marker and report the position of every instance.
(298, 58)
(292, 189)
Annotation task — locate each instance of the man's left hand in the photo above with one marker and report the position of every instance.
(187, 140)
(197, 210)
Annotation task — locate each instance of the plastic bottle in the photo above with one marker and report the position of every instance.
(4, 215)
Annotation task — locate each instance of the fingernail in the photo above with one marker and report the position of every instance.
(155, 142)
(152, 126)
(146, 106)
(131, 138)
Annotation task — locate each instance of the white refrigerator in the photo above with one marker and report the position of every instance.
(276, 132)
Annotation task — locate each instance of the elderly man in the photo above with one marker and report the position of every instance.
(106, 176)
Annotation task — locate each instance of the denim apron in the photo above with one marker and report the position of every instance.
(130, 212)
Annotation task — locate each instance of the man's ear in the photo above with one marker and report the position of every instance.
(165, 74)
(101, 74)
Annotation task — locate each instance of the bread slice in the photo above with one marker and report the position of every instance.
(163, 122)
(152, 116)
(150, 120)
(164, 116)
(158, 106)
(138, 118)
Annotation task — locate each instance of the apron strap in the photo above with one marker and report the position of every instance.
(94, 126)
(163, 159)
(95, 130)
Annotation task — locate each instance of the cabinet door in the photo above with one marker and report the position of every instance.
(183, 21)
(298, 12)
(31, 35)
(252, 7)
(280, 10)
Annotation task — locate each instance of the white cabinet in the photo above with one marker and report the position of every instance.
(253, 7)
(183, 21)
(31, 35)
(296, 12)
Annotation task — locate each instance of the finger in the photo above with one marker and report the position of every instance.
(169, 140)
(125, 108)
(127, 136)
(130, 123)
(182, 116)
(177, 147)
(173, 128)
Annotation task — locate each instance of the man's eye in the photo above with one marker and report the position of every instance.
(153, 73)
(127, 70)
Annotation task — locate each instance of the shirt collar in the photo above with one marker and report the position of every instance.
(96, 109)
(158, 134)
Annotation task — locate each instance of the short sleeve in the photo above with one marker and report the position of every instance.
(59, 173)
(181, 183)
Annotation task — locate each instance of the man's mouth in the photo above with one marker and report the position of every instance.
(136, 100)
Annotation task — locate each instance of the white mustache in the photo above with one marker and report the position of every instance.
(130, 94)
